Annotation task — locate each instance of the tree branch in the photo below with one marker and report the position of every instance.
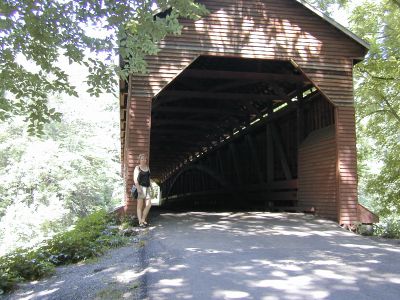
(374, 112)
(391, 109)
(377, 77)
(396, 2)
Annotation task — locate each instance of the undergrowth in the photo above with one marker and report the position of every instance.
(90, 237)
(388, 227)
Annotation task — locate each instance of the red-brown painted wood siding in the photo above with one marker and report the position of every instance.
(346, 164)
(317, 173)
(337, 86)
(138, 139)
(259, 29)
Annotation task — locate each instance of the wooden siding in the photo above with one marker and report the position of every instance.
(336, 86)
(317, 173)
(366, 216)
(259, 29)
(346, 164)
(137, 141)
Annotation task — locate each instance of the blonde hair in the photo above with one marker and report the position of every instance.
(142, 155)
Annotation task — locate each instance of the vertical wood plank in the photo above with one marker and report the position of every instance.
(317, 173)
(138, 141)
(346, 165)
(281, 152)
(254, 157)
(270, 155)
(235, 163)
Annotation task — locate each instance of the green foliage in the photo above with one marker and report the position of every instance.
(69, 172)
(388, 227)
(23, 264)
(327, 5)
(8, 278)
(90, 237)
(80, 243)
(127, 221)
(29, 265)
(378, 105)
(41, 31)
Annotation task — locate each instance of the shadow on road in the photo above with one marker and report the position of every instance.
(257, 255)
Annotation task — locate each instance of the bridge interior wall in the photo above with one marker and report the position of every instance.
(263, 166)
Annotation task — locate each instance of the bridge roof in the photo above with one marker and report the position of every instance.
(334, 23)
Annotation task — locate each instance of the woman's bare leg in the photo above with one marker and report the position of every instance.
(146, 209)
(139, 210)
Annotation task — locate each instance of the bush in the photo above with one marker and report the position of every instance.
(8, 279)
(71, 247)
(388, 227)
(79, 243)
(20, 265)
(90, 237)
(127, 221)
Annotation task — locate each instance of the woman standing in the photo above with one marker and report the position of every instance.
(141, 177)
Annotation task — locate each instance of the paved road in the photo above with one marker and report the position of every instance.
(265, 256)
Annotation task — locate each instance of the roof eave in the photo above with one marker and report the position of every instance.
(334, 23)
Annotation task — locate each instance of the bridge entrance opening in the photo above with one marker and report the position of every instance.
(231, 132)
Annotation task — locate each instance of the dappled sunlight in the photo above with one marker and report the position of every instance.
(393, 278)
(223, 294)
(372, 261)
(255, 224)
(307, 46)
(129, 276)
(29, 295)
(209, 251)
(390, 249)
(280, 265)
(234, 29)
(246, 270)
(48, 288)
(46, 292)
(222, 32)
(233, 255)
(283, 284)
(178, 267)
(332, 275)
(167, 290)
(171, 282)
(279, 274)
(327, 262)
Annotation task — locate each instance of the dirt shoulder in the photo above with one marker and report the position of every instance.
(115, 275)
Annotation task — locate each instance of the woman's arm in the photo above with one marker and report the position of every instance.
(135, 179)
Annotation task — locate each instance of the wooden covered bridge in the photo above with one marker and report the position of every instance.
(252, 106)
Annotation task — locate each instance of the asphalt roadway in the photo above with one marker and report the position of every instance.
(269, 256)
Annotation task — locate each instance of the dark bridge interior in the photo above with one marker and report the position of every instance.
(226, 131)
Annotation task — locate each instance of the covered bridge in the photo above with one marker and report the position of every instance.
(252, 106)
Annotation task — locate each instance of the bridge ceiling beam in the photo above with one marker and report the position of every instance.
(193, 95)
(212, 100)
(199, 111)
(257, 76)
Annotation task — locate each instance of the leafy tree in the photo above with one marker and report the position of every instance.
(328, 5)
(377, 94)
(41, 31)
(377, 103)
(47, 182)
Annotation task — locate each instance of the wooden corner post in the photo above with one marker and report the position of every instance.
(346, 170)
(137, 142)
